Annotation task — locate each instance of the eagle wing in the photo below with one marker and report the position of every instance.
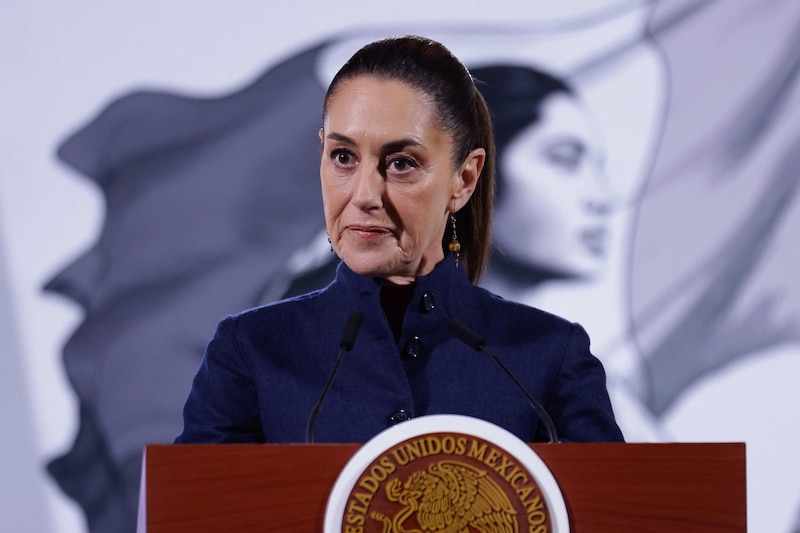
(458, 495)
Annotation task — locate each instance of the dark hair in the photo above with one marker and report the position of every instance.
(462, 112)
(514, 95)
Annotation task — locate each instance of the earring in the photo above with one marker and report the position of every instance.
(330, 243)
(454, 245)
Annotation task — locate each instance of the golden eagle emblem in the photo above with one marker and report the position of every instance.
(449, 497)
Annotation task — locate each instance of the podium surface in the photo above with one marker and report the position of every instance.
(607, 487)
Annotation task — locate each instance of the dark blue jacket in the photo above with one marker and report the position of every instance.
(265, 368)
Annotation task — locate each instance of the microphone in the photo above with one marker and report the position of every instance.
(476, 342)
(346, 343)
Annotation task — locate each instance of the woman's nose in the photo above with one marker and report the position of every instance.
(599, 205)
(601, 199)
(80, 281)
(368, 185)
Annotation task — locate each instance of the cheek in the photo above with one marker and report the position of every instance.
(522, 177)
(332, 220)
(542, 190)
(522, 197)
(421, 215)
(334, 198)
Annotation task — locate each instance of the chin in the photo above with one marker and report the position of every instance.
(370, 266)
(576, 267)
(584, 271)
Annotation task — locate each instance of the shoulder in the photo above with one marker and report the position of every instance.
(311, 316)
(284, 318)
(507, 315)
(279, 330)
(522, 331)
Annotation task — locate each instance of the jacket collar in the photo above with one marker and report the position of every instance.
(447, 283)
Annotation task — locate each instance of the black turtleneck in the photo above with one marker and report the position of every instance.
(394, 301)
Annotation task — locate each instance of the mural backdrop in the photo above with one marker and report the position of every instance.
(162, 171)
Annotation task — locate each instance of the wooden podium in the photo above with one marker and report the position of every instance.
(606, 487)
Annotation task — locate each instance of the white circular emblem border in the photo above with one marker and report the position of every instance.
(424, 425)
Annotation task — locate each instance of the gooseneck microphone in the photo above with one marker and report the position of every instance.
(476, 342)
(346, 343)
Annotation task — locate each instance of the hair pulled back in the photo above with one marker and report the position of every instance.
(515, 95)
(461, 111)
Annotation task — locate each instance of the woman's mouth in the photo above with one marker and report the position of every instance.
(594, 240)
(368, 232)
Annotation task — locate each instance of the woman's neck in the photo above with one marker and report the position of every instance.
(518, 274)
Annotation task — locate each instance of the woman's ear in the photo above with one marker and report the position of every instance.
(467, 178)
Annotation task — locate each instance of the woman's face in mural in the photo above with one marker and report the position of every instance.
(552, 211)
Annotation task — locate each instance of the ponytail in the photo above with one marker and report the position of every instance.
(475, 219)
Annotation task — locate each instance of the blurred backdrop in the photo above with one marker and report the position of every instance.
(158, 170)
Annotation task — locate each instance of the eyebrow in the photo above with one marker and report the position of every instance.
(392, 145)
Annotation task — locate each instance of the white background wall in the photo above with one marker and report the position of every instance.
(60, 63)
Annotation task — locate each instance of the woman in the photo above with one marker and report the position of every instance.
(553, 202)
(552, 216)
(406, 173)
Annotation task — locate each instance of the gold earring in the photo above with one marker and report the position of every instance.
(454, 245)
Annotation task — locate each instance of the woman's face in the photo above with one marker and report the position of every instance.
(388, 182)
(553, 210)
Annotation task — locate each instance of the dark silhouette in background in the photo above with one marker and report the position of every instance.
(205, 200)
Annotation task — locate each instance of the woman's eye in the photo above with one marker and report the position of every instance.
(567, 155)
(401, 164)
(342, 157)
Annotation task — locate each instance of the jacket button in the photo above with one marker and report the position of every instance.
(401, 415)
(428, 303)
(413, 348)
